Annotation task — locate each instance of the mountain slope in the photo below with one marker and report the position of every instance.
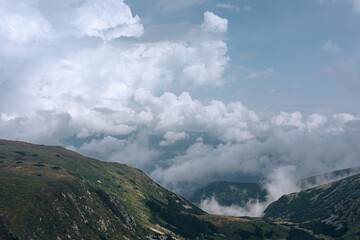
(51, 192)
(332, 209)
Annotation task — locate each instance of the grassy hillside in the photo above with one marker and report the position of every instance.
(53, 193)
(331, 210)
(229, 193)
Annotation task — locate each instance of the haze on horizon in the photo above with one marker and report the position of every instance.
(187, 91)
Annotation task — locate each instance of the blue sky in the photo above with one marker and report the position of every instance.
(286, 38)
(188, 91)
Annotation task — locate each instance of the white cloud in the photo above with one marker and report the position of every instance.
(214, 23)
(108, 19)
(345, 117)
(253, 208)
(134, 151)
(20, 22)
(308, 145)
(172, 137)
(288, 119)
(227, 6)
(315, 121)
(280, 181)
(40, 127)
(329, 46)
(210, 69)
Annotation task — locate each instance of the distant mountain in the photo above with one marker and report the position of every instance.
(332, 210)
(328, 177)
(53, 193)
(239, 193)
(229, 193)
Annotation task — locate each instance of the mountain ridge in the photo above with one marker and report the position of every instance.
(332, 209)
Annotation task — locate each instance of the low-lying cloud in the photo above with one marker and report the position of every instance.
(281, 181)
(253, 208)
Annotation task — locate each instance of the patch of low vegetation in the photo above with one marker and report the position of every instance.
(22, 153)
(186, 225)
(319, 227)
(39, 165)
(297, 234)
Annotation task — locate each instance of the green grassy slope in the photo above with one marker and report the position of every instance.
(332, 209)
(50, 192)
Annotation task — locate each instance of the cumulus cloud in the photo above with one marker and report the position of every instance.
(40, 127)
(214, 23)
(316, 144)
(99, 86)
(172, 137)
(108, 19)
(134, 151)
(21, 22)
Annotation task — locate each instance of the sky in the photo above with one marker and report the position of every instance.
(187, 91)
